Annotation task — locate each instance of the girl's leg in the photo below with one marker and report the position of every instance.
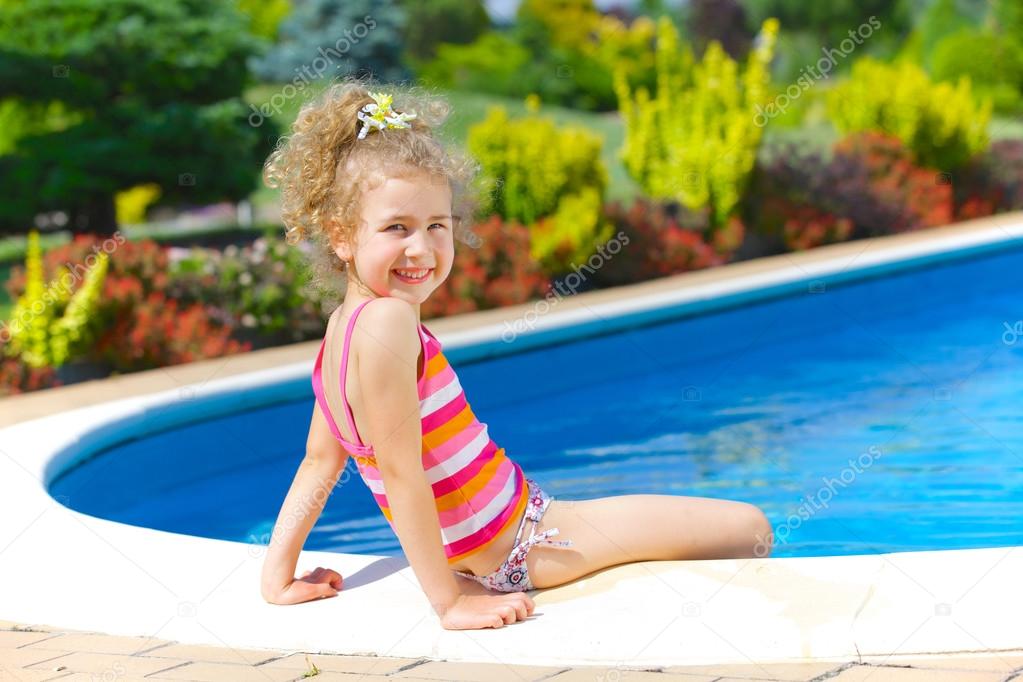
(622, 529)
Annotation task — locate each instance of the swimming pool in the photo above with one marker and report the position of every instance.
(877, 415)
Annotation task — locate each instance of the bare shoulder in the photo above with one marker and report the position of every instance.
(385, 331)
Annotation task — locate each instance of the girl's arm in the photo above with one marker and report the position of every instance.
(323, 463)
(387, 341)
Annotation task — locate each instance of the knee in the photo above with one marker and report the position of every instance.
(761, 532)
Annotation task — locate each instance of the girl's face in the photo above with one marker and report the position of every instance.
(405, 244)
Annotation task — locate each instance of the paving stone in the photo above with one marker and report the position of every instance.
(363, 665)
(214, 654)
(32, 675)
(89, 677)
(997, 662)
(472, 672)
(19, 658)
(111, 666)
(871, 673)
(97, 643)
(600, 674)
(765, 671)
(203, 671)
(14, 639)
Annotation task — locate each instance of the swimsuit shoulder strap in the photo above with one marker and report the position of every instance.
(344, 373)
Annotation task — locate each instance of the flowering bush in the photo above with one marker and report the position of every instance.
(263, 291)
(17, 377)
(492, 270)
(135, 325)
(867, 187)
(991, 183)
(924, 193)
(654, 244)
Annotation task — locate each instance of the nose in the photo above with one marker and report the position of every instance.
(416, 244)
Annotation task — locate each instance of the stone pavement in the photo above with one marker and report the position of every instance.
(39, 652)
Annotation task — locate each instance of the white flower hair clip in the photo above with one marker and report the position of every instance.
(380, 115)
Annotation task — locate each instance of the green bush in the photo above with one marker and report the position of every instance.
(941, 123)
(49, 324)
(992, 62)
(262, 291)
(531, 165)
(495, 63)
(695, 141)
(572, 234)
(564, 52)
(533, 170)
(434, 23)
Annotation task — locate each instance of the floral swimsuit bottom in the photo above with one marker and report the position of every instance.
(512, 576)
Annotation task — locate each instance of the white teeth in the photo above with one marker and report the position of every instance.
(417, 274)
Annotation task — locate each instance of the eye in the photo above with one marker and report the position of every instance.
(438, 225)
(395, 225)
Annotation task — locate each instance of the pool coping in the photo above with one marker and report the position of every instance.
(203, 591)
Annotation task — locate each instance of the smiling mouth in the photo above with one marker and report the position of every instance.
(412, 275)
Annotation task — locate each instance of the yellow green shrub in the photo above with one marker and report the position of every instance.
(532, 169)
(942, 123)
(572, 234)
(48, 324)
(528, 164)
(695, 140)
(131, 204)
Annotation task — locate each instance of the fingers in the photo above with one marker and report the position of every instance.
(323, 575)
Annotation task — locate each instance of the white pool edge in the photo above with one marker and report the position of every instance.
(60, 567)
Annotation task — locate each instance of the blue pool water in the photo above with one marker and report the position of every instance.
(881, 415)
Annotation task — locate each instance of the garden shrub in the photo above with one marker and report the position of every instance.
(941, 123)
(552, 179)
(868, 186)
(655, 244)
(992, 183)
(992, 62)
(570, 235)
(564, 52)
(263, 291)
(434, 23)
(529, 165)
(494, 63)
(49, 324)
(136, 326)
(492, 269)
(695, 140)
(925, 194)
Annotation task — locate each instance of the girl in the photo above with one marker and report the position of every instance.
(368, 183)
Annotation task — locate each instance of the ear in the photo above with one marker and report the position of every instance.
(341, 247)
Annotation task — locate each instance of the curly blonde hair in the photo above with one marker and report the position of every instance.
(322, 170)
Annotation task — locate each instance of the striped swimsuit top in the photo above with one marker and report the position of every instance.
(477, 489)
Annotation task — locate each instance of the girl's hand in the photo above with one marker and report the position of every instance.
(474, 612)
(319, 583)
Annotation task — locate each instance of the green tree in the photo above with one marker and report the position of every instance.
(325, 38)
(428, 24)
(265, 16)
(138, 92)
